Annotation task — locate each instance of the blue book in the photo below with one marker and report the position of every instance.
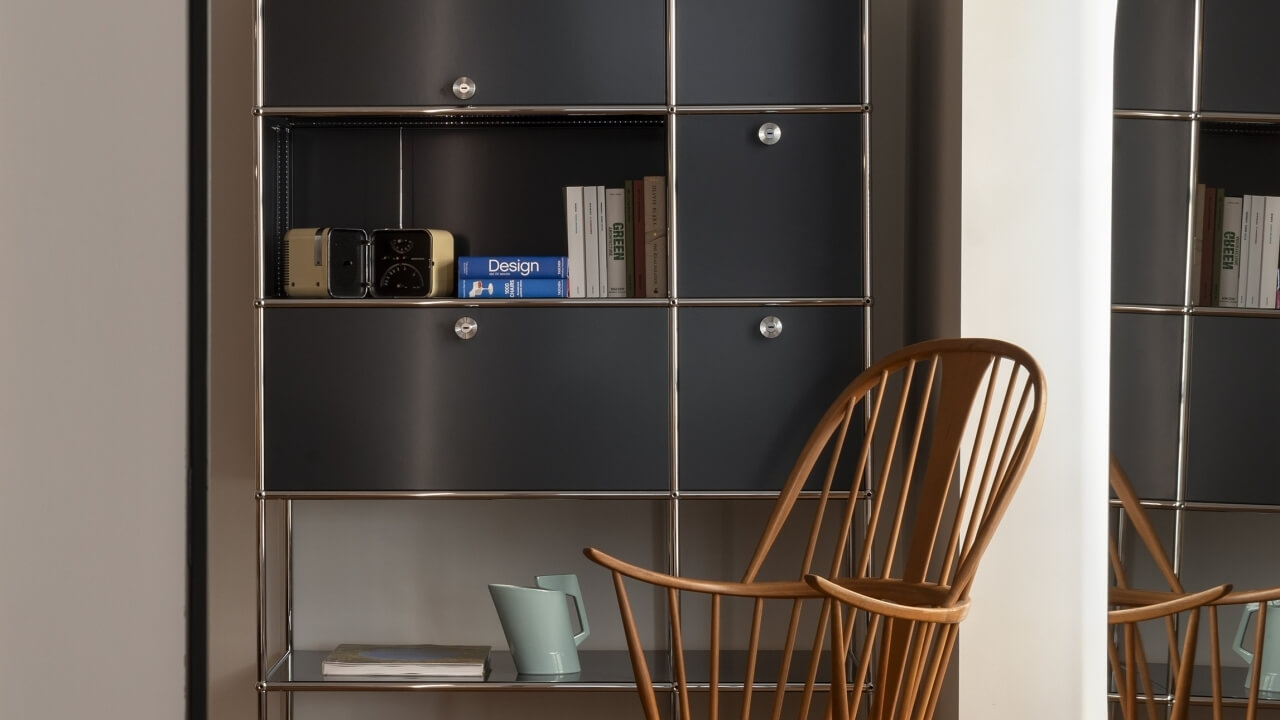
(513, 288)
(525, 266)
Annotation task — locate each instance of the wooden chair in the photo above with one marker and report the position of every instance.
(1178, 611)
(928, 446)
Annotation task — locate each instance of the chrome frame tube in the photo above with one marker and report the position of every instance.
(673, 367)
(558, 302)
(672, 107)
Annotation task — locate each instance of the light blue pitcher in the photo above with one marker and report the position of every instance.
(537, 624)
(1269, 673)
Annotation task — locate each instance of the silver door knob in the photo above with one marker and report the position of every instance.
(464, 87)
(466, 328)
(771, 327)
(769, 133)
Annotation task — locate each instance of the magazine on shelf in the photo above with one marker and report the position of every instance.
(452, 661)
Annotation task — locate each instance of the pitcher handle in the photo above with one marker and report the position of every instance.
(568, 584)
(1238, 644)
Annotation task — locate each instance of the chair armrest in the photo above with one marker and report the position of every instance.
(793, 589)
(1149, 604)
(880, 605)
(1240, 597)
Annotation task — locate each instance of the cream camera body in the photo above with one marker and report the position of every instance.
(326, 262)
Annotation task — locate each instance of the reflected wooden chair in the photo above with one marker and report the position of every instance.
(921, 453)
(1177, 611)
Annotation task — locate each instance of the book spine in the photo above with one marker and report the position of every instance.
(628, 229)
(1229, 267)
(1197, 242)
(500, 266)
(1207, 243)
(637, 224)
(1242, 254)
(655, 235)
(1215, 277)
(602, 236)
(590, 242)
(615, 214)
(513, 288)
(573, 232)
(1256, 214)
(1270, 254)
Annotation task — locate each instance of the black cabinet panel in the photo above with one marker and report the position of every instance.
(500, 188)
(1242, 159)
(1232, 453)
(538, 399)
(782, 220)
(1150, 178)
(1146, 387)
(410, 52)
(1239, 56)
(1153, 54)
(747, 403)
(736, 52)
(326, 177)
(344, 178)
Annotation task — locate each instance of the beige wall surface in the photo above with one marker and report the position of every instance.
(93, 352)
(232, 543)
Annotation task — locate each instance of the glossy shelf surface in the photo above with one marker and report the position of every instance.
(1234, 693)
(601, 670)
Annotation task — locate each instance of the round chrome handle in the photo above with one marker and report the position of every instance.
(771, 327)
(769, 133)
(464, 87)
(466, 328)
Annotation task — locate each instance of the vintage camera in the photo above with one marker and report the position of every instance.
(326, 262)
(411, 262)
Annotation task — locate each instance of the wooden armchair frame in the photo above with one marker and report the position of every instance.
(1129, 607)
(940, 435)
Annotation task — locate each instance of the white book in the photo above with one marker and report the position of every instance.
(1229, 257)
(1254, 283)
(1197, 243)
(1270, 254)
(615, 211)
(574, 232)
(602, 233)
(655, 236)
(590, 241)
(1242, 254)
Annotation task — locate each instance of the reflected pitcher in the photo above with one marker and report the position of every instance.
(1269, 673)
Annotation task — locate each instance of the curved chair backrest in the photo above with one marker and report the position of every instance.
(895, 496)
(942, 432)
(899, 432)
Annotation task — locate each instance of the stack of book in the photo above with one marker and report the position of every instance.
(456, 662)
(1235, 249)
(617, 239)
(537, 276)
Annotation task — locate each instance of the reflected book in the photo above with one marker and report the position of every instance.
(440, 661)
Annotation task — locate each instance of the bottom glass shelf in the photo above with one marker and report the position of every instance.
(1233, 690)
(601, 670)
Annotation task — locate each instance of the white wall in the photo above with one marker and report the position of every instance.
(93, 349)
(1035, 243)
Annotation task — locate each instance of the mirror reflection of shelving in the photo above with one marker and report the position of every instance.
(1193, 386)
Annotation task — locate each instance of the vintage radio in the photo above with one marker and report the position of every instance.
(326, 262)
(411, 262)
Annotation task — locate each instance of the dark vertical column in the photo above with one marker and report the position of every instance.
(197, 358)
